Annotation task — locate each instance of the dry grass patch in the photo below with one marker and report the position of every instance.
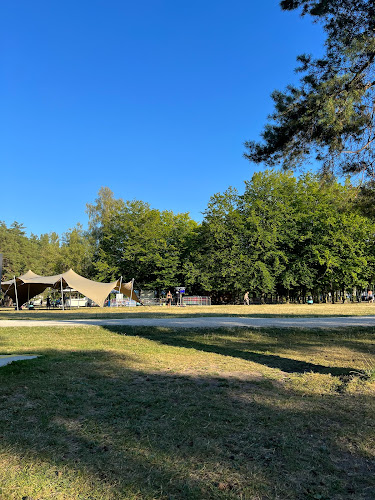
(266, 310)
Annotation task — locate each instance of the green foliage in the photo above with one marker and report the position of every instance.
(76, 251)
(216, 258)
(265, 208)
(22, 252)
(46, 255)
(329, 116)
(284, 236)
(134, 240)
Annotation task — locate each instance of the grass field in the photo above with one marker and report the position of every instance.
(154, 413)
(286, 310)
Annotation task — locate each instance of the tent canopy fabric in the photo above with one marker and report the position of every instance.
(30, 284)
(26, 276)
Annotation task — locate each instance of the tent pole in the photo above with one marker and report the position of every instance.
(7, 290)
(15, 289)
(119, 290)
(70, 296)
(131, 292)
(62, 296)
(28, 293)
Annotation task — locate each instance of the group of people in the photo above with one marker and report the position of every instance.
(6, 301)
(53, 302)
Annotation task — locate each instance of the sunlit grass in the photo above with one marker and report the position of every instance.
(266, 310)
(157, 413)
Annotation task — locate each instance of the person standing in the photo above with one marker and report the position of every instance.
(48, 302)
(169, 299)
(246, 301)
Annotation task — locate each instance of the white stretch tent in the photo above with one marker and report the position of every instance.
(28, 285)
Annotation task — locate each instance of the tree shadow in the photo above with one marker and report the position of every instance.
(129, 433)
(180, 338)
(310, 341)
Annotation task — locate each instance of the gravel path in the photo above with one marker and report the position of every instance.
(206, 322)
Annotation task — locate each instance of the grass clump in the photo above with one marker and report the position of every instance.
(367, 372)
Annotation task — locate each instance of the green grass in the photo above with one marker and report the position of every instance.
(265, 311)
(156, 413)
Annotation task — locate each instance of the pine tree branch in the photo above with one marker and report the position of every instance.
(361, 149)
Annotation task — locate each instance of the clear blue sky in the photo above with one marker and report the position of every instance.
(153, 99)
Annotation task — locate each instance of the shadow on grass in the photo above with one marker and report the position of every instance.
(183, 338)
(87, 425)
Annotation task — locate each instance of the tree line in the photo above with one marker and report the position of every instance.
(283, 238)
